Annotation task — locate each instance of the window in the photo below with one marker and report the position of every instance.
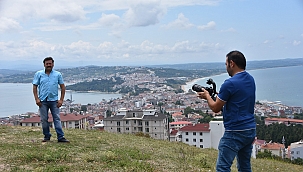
(127, 122)
(118, 130)
(146, 123)
(155, 121)
(292, 152)
(147, 130)
(298, 152)
(201, 133)
(140, 122)
(127, 128)
(134, 115)
(186, 140)
(194, 140)
(135, 128)
(118, 123)
(201, 146)
(194, 133)
(186, 133)
(135, 121)
(201, 140)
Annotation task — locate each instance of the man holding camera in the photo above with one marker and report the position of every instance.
(237, 98)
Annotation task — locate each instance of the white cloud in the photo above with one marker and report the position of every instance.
(109, 20)
(7, 24)
(105, 50)
(295, 43)
(209, 26)
(55, 15)
(144, 13)
(67, 11)
(180, 23)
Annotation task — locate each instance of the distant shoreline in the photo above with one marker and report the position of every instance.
(198, 79)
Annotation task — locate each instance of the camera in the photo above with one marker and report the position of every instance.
(212, 90)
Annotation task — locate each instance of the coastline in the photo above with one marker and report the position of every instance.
(189, 84)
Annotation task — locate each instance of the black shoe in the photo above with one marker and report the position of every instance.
(63, 140)
(46, 140)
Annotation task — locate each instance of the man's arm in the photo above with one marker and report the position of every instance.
(35, 92)
(60, 102)
(215, 106)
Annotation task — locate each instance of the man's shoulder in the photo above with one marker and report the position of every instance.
(40, 72)
(56, 72)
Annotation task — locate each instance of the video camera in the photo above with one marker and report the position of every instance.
(212, 90)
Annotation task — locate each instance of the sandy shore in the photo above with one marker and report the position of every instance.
(190, 83)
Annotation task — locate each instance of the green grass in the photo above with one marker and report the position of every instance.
(21, 149)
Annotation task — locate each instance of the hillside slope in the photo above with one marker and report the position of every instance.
(21, 149)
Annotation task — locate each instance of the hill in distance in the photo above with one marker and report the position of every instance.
(93, 150)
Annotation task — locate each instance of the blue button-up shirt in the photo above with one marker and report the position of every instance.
(48, 84)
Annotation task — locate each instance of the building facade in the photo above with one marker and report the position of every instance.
(134, 121)
(296, 150)
(202, 135)
(286, 121)
(197, 135)
(70, 120)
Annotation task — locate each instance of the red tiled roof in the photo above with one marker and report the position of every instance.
(179, 123)
(272, 146)
(63, 117)
(284, 120)
(196, 127)
(177, 114)
(174, 132)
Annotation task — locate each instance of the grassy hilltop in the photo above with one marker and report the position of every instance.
(21, 149)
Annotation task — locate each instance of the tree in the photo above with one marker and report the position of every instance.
(188, 110)
(84, 108)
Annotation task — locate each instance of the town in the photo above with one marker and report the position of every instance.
(163, 111)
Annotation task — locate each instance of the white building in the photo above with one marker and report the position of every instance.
(216, 130)
(296, 150)
(203, 135)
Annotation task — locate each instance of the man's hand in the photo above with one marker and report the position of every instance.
(59, 104)
(204, 94)
(38, 103)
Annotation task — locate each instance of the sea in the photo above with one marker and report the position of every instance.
(282, 84)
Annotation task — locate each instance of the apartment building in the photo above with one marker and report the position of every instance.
(69, 120)
(133, 121)
(202, 135)
(286, 121)
(275, 148)
(296, 150)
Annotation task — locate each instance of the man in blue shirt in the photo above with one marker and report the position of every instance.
(45, 90)
(237, 98)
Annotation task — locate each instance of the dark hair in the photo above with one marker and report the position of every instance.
(48, 58)
(238, 58)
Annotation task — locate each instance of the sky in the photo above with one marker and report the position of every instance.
(147, 32)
